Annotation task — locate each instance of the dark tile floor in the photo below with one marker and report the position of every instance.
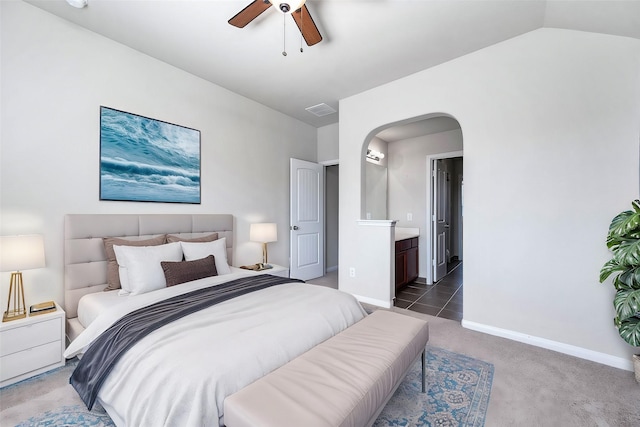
(442, 299)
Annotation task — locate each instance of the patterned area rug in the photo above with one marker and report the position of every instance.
(458, 395)
(458, 391)
(75, 415)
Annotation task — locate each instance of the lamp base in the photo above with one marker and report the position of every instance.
(13, 315)
(16, 295)
(264, 254)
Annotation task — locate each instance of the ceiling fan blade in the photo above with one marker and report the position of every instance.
(249, 13)
(307, 26)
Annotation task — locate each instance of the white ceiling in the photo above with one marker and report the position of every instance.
(366, 42)
(418, 128)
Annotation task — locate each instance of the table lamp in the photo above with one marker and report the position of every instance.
(19, 253)
(264, 233)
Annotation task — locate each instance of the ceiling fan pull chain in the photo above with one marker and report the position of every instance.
(301, 27)
(284, 35)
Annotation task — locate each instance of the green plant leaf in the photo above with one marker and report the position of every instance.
(628, 253)
(630, 278)
(629, 330)
(627, 303)
(610, 267)
(619, 284)
(624, 223)
(623, 239)
(624, 226)
(623, 286)
(614, 241)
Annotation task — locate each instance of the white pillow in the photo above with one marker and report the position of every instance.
(217, 248)
(140, 269)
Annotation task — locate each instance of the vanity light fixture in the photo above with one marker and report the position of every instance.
(374, 155)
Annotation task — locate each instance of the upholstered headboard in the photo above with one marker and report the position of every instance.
(85, 261)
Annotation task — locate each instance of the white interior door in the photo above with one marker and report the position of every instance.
(307, 219)
(440, 224)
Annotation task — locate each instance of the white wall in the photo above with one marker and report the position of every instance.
(376, 189)
(551, 133)
(328, 144)
(408, 181)
(376, 185)
(55, 76)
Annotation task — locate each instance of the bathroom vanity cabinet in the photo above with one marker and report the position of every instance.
(406, 261)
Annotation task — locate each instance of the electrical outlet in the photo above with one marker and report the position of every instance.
(352, 272)
(409, 216)
(368, 215)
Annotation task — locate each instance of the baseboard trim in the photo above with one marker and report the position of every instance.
(373, 301)
(572, 350)
(330, 269)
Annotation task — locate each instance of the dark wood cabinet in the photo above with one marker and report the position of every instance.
(407, 261)
(401, 269)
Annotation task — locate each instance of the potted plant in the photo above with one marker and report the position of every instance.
(623, 240)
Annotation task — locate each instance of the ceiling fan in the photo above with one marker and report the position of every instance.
(296, 8)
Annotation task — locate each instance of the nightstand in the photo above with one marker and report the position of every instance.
(31, 346)
(277, 270)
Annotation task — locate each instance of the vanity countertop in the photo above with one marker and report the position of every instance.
(403, 233)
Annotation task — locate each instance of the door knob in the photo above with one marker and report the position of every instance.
(295, 227)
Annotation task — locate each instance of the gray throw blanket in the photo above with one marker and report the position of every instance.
(99, 359)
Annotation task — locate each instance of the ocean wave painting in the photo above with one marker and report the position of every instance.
(147, 160)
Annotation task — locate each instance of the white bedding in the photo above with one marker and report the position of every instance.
(181, 373)
(94, 304)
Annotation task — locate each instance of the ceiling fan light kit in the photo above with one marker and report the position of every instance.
(78, 3)
(289, 7)
(296, 8)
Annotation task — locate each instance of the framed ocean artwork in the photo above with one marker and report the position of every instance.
(147, 160)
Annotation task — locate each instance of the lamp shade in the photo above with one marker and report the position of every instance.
(263, 232)
(21, 252)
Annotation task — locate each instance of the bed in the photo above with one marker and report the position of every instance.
(181, 373)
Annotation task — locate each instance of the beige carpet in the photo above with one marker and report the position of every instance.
(538, 387)
(531, 386)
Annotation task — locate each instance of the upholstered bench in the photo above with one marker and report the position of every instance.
(345, 381)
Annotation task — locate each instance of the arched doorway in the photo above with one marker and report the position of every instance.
(411, 152)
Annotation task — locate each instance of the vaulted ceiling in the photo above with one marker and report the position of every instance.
(366, 42)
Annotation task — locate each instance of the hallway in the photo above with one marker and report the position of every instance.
(443, 299)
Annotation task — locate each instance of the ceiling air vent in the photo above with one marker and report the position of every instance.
(320, 110)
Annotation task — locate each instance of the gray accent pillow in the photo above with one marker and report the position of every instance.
(113, 270)
(186, 271)
(171, 238)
